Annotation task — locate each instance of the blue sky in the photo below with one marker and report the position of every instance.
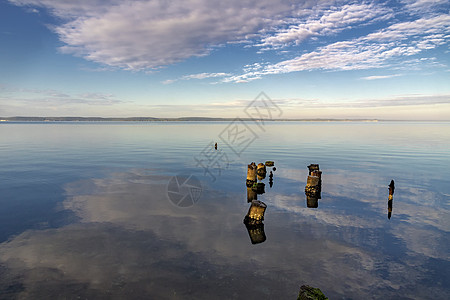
(314, 59)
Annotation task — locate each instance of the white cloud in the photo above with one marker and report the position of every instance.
(330, 21)
(46, 97)
(197, 76)
(138, 35)
(205, 75)
(148, 35)
(374, 50)
(425, 6)
(375, 77)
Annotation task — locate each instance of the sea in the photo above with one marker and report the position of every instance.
(153, 210)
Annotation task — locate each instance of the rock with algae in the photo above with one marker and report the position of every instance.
(309, 293)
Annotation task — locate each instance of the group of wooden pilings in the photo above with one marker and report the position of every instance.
(255, 215)
(313, 186)
(256, 173)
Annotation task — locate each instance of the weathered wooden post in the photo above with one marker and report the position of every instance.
(313, 181)
(313, 167)
(261, 171)
(255, 213)
(313, 186)
(251, 174)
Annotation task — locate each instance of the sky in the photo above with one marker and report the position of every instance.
(208, 58)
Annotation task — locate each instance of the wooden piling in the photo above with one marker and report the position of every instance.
(255, 213)
(261, 170)
(313, 186)
(313, 181)
(251, 174)
(313, 167)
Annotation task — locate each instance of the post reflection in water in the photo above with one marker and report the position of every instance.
(313, 186)
(253, 222)
(390, 198)
(256, 232)
(270, 179)
(251, 194)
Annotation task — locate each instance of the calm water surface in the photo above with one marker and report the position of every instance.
(86, 211)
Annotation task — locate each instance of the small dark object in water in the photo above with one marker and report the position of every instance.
(274, 169)
(270, 174)
(269, 163)
(215, 146)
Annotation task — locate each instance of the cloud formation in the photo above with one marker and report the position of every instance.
(375, 50)
(329, 21)
(138, 35)
(148, 35)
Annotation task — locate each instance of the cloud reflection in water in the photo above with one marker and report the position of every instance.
(130, 241)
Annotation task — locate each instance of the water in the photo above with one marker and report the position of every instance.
(86, 211)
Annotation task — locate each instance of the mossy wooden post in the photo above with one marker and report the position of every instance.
(313, 186)
(255, 213)
(312, 181)
(251, 174)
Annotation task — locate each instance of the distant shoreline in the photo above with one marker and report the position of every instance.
(194, 119)
(151, 119)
